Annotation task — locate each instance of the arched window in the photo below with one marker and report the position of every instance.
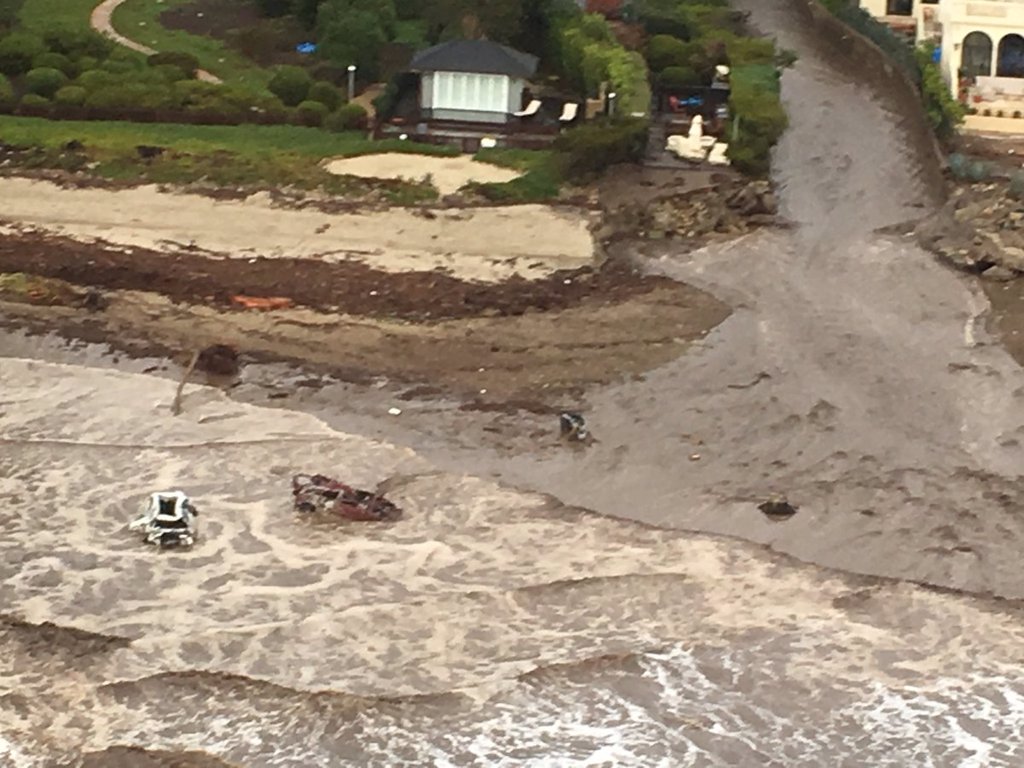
(976, 55)
(1011, 57)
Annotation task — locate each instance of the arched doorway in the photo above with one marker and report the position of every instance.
(1011, 57)
(976, 55)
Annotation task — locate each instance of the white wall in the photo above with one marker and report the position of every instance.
(874, 7)
(959, 18)
(515, 95)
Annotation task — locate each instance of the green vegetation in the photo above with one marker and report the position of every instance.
(586, 151)
(41, 15)
(591, 55)
(139, 20)
(758, 118)
(540, 181)
(944, 112)
(250, 157)
(290, 85)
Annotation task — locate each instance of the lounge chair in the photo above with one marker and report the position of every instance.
(531, 109)
(569, 112)
(686, 148)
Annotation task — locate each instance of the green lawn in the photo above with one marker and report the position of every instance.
(139, 20)
(233, 156)
(38, 15)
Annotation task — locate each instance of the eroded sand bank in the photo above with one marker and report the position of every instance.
(486, 244)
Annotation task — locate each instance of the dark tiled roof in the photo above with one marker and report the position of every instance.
(475, 56)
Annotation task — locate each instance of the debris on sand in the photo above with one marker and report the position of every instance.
(572, 426)
(777, 508)
(218, 359)
(168, 519)
(262, 302)
(319, 493)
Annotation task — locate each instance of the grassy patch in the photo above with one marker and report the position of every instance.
(234, 156)
(540, 181)
(40, 15)
(139, 20)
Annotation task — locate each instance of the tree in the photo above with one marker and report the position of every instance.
(348, 35)
(500, 21)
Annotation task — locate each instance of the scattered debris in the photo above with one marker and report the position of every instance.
(219, 359)
(168, 519)
(176, 403)
(262, 302)
(757, 380)
(395, 411)
(777, 508)
(573, 427)
(694, 457)
(319, 493)
(147, 152)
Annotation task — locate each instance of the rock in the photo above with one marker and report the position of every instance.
(1000, 274)
(219, 359)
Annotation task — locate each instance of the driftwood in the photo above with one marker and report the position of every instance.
(176, 405)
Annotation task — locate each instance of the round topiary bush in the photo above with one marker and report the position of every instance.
(52, 60)
(326, 94)
(6, 90)
(94, 79)
(311, 113)
(291, 85)
(171, 73)
(45, 81)
(348, 117)
(183, 61)
(71, 96)
(76, 42)
(17, 52)
(34, 100)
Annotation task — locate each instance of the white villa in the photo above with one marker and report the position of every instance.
(981, 43)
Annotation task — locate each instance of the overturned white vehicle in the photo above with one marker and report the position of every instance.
(168, 519)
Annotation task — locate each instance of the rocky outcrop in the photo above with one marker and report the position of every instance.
(729, 209)
(980, 230)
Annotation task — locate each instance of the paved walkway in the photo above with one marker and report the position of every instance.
(101, 22)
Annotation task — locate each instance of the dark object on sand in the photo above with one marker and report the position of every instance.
(777, 509)
(94, 301)
(572, 426)
(319, 493)
(147, 152)
(73, 146)
(218, 359)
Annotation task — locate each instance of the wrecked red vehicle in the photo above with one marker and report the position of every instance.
(319, 493)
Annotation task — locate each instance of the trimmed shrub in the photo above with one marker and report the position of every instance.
(93, 79)
(76, 42)
(6, 91)
(55, 61)
(665, 51)
(588, 150)
(678, 77)
(290, 84)
(131, 96)
(186, 62)
(348, 117)
(71, 95)
(34, 100)
(326, 94)
(45, 81)
(171, 73)
(17, 51)
(311, 113)
(758, 118)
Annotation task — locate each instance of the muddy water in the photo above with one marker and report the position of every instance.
(489, 627)
(494, 627)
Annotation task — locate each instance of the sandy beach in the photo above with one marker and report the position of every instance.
(484, 244)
